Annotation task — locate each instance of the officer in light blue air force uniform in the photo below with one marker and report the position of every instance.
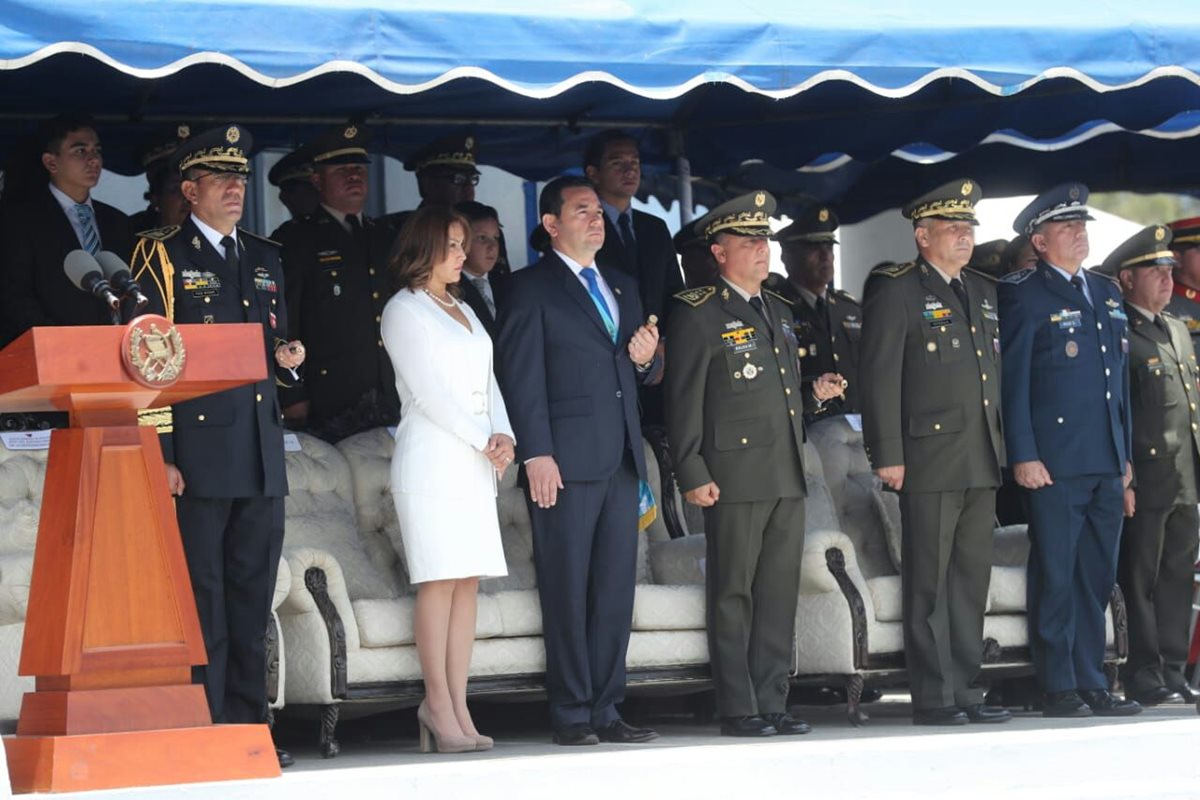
(1065, 340)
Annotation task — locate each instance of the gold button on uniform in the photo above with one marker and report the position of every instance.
(792, 411)
(984, 376)
(378, 318)
(786, 390)
(324, 372)
(985, 402)
(776, 352)
(836, 358)
(375, 295)
(200, 417)
(371, 271)
(258, 398)
(1153, 452)
(972, 329)
(1103, 349)
(380, 343)
(208, 299)
(745, 441)
(333, 274)
(782, 371)
(1107, 372)
(1108, 395)
(979, 353)
(937, 426)
(246, 303)
(1060, 420)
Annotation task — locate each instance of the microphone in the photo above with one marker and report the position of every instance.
(117, 273)
(84, 271)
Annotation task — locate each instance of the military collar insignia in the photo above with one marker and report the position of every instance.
(725, 294)
(196, 242)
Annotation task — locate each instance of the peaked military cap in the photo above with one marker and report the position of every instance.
(747, 215)
(224, 149)
(295, 166)
(687, 236)
(1185, 232)
(1063, 203)
(1149, 247)
(988, 257)
(951, 201)
(814, 225)
(345, 144)
(449, 151)
(160, 149)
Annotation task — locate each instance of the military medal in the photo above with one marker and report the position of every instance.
(750, 372)
(1072, 349)
(337, 290)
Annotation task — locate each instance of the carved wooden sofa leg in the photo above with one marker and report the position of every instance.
(329, 720)
(854, 691)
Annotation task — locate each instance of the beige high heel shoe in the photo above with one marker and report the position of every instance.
(483, 742)
(432, 741)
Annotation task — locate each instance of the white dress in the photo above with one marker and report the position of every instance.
(443, 486)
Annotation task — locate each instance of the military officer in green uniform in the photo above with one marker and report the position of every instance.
(735, 410)
(931, 427)
(828, 321)
(1159, 540)
(1185, 300)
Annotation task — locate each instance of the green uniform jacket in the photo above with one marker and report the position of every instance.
(931, 379)
(1166, 424)
(734, 404)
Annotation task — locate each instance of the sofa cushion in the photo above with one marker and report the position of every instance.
(677, 562)
(389, 622)
(668, 608)
(15, 572)
(22, 477)
(1006, 592)
(321, 515)
(520, 612)
(886, 598)
(1010, 546)
(369, 455)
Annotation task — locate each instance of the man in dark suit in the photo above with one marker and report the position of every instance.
(40, 231)
(931, 427)
(736, 426)
(634, 241)
(224, 452)
(335, 261)
(1185, 300)
(828, 321)
(1066, 412)
(1159, 542)
(571, 349)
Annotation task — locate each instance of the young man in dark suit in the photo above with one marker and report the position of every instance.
(572, 350)
(224, 451)
(635, 242)
(41, 229)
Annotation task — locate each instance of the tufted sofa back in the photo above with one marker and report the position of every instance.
(321, 514)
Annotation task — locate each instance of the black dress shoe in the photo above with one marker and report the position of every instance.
(949, 715)
(1185, 692)
(978, 712)
(285, 758)
(1065, 704)
(786, 724)
(752, 726)
(1105, 704)
(621, 732)
(1155, 697)
(576, 735)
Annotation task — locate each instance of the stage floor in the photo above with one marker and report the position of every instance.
(1154, 755)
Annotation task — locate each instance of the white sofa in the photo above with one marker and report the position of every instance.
(22, 475)
(849, 627)
(348, 620)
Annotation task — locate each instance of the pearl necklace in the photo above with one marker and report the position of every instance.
(452, 304)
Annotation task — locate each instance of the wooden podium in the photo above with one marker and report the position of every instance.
(111, 631)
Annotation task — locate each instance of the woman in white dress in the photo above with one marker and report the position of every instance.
(453, 444)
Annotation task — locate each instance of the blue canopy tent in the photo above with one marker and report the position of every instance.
(720, 84)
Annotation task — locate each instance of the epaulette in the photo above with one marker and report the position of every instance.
(1019, 275)
(842, 294)
(260, 238)
(894, 270)
(159, 234)
(981, 274)
(697, 296)
(778, 296)
(1112, 278)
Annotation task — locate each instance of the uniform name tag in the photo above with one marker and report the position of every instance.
(741, 340)
(1067, 318)
(330, 257)
(200, 284)
(938, 317)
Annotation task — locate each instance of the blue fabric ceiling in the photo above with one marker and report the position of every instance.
(877, 89)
